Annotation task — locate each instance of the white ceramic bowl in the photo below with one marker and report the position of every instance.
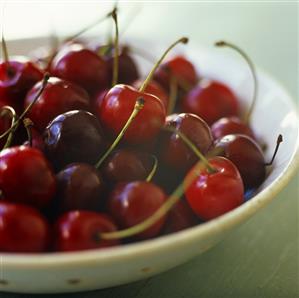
(66, 272)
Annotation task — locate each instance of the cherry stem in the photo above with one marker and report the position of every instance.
(253, 72)
(183, 40)
(169, 203)
(154, 169)
(16, 124)
(278, 142)
(173, 92)
(116, 48)
(28, 125)
(196, 151)
(137, 108)
(12, 112)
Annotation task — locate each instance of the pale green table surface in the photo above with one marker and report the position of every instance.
(261, 258)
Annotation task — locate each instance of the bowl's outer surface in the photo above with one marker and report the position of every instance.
(58, 272)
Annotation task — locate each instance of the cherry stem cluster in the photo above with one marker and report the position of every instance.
(12, 112)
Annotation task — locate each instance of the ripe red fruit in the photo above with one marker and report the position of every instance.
(117, 107)
(211, 101)
(213, 194)
(132, 203)
(26, 176)
(80, 230)
(59, 96)
(22, 229)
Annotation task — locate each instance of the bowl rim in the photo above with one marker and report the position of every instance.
(166, 242)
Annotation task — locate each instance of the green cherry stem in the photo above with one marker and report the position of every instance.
(116, 49)
(16, 124)
(170, 202)
(183, 40)
(173, 93)
(153, 170)
(253, 72)
(12, 112)
(278, 142)
(28, 125)
(137, 108)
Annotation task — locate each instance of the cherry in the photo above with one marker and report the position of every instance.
(59, 96)
(131, 203)
(81, 66)
(35, 139)
(75, 136)
(248, 157)
(215, 192)
(211, 101)
(26, 176)
(80, 230)
(22, 229)
(173, 151)
(80, 187)
(126, 165)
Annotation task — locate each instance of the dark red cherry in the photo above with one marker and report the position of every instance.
(211, 101)
(248, 157)
(16, 78)
(156, 89)
(126, 165)
(22, 229)
(26, 176)
(81, 66)
(117, 106)
(180, 217)
(59, 96)
(132, 203)
(212, 194)
(231, 125)
(37, 140)
(173, 150)
(80, 230)
(75, 136)
(79, 187)
(179, 67)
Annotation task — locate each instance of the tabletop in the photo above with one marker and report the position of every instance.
(261, 258)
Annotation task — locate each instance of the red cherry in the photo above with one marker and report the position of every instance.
(231, 125)
(80, 230)
(59, 96)
(36, 139)
(132, 203)
(173, 151)
(81, 66)
(156, 89)
(211, 101)
(26, 176)
(248, 157)
(213, 194)
(117, 107)
(22, 229)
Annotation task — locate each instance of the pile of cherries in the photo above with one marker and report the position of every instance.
(95, 157)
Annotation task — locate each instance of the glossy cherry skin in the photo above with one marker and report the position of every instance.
(75, 136)
(231, 125)
(59, 96)
(179, 67)
(79, 187)
(173, 150)
(81, 66)
(125, 165)
(180, 217)
(22, 229)
(248, 157)
(211, 101)
(156, 89)
(26, 176)
(117, 106)
(16, 78)
(213, 194)
(79, 230)
(132, 203)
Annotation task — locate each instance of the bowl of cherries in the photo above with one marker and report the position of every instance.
(111, 171)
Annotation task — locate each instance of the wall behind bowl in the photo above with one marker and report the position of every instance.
(268, 30)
